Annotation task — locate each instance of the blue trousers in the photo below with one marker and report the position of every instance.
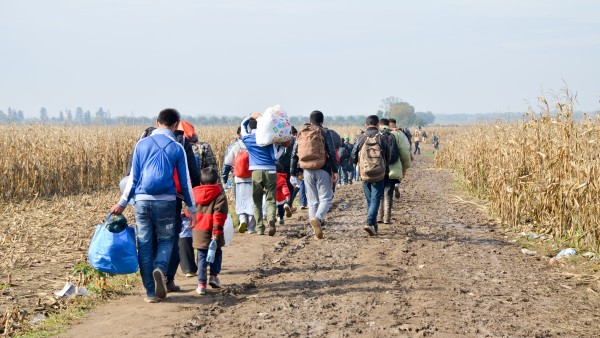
(373, 193)
(155, 229)
(215, 267)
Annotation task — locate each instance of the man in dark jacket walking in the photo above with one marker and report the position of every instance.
(346, 167)
(314, 152)
(372, 154)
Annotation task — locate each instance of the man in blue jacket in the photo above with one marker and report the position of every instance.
(263, 161)
(154, 162)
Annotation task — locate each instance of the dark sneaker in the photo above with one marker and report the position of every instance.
(159, 283)
(151, 299)
(214, 282)
(272, 228)
(397, 192)
(316, 225)
(281, 221)
(370, 230)
(379, 221)
(288, 211)
(171, 287)
(304, 207)
(261, 231)
(242, 227)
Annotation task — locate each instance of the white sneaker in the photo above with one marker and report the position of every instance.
(201, 290)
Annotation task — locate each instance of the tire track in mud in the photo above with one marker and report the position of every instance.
(441, 269)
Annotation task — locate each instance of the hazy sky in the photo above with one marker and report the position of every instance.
(341, 56)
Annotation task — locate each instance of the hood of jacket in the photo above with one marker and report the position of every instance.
(205, 194)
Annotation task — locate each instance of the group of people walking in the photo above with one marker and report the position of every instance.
(170, 166)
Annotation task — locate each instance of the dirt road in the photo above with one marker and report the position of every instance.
(442, 269)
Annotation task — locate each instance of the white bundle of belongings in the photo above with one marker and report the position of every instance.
(273, 127)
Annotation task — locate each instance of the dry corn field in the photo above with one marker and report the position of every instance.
(45, 161)
(541, 174)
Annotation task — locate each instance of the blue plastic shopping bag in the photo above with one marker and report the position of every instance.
(113, 253)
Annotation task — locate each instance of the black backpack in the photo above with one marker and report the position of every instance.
(392, 146)
(343, 152)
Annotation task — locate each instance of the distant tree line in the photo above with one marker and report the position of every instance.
(104, 117)
(404, 113)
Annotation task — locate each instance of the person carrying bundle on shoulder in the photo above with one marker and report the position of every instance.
(262, 163)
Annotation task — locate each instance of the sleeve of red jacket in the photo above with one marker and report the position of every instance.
(220, 214)
(286, 191)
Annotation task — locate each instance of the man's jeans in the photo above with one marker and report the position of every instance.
(155, 229)
(175, 257)
(319, 192)
(302, 194)
(373, 193)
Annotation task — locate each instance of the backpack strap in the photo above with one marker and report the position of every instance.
(161, 148)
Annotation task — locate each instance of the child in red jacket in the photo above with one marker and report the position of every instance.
(212, 209)
(282, 195)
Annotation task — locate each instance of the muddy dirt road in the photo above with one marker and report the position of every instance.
(442, 269)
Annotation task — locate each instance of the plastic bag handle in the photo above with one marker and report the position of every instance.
(107, 218)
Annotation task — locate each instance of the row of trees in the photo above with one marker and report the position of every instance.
(404, 113)
(102, 117)
(67, 116)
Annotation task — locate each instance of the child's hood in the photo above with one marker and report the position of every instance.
(205, 194)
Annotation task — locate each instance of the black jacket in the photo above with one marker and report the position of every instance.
(285, 160)
(360, 141)
(331, 165)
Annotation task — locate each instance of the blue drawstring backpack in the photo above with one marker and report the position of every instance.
(113, 252)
